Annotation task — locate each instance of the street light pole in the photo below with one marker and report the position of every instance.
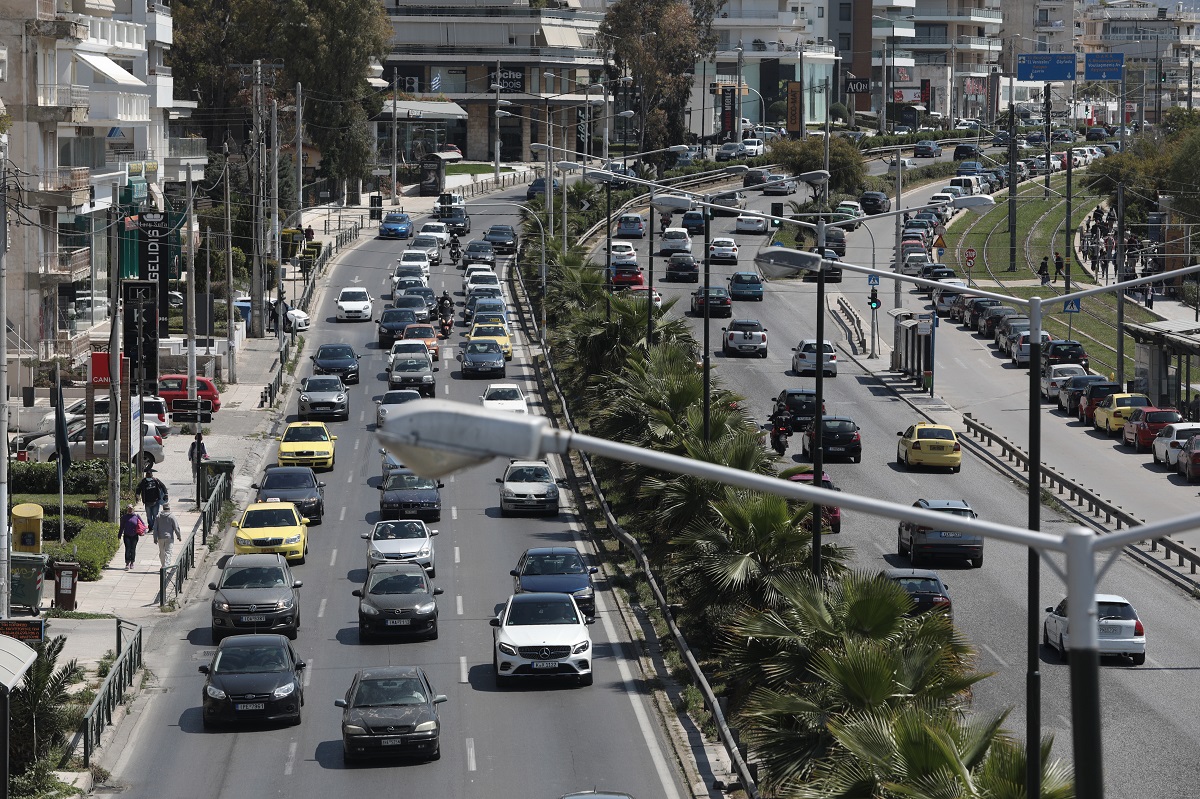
(707, 298)
(496, 86)
(818, 450)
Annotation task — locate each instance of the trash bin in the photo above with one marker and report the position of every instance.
(210, 472)
(27, 527)
(27, 580)
(66, 581)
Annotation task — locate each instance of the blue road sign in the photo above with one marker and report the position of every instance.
(1045, 66)
(941, 251)
(1103, 66)
(872, 280)
(1071, 306)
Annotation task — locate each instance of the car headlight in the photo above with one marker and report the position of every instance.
(292, 539)
(214, 692)
(584, 592)
(353, 729)
(284, 690)
(304, 398)
(340, 398)
(428, 546)
(551, 491)
(375, 553)
(367, 609)
(427, 378)
(507, 649)
(221, 605)
(426, 726)
(426, 607)
(243, 542)
(507, 493)
(286, 604)
(582, 647)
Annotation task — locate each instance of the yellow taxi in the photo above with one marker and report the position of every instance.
(306, 444)
(497, 333)
(1114, 410)
(928, 444)
(274, 527)
(426, 333)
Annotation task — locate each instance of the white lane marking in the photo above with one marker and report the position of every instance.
(454, 512)
(470, 754)
(307, 672)
(357, 441)
(457, 604)
(342, 515)
(362, 417)
(350, 478)
(462, 669)
(879, 546)
(333, 556)
(447, 386)
(457, 555)
(992, 652)
(1065, 721)
(451, 478)
(321, 610)
(291, 758)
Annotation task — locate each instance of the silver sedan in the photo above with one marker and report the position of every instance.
(323, 395)
(391, 402)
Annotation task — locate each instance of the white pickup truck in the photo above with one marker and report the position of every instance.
(745, 337)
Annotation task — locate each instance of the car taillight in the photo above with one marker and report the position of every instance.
(857, 438)
(158, 439)
(764, 338)
(941, 600)
(957, 447)
(833, 357)
(916, 445)
(1138, 629)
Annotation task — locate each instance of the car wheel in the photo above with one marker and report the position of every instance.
(914, 559)
(1045, 637)
(217, 637)
(899, 457)
(1139, 659)
(586, 679)
(977, 563)
(1154, 455)
(437, 753)
(1062, 650)
(503, 511)
(552, 512)
(501, 680)
(364, 637)
(836, 526)
(292, 633)
(900, 549)
(433, 633)
(296, 721)
(764, 352)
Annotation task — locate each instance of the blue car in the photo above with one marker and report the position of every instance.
(396, 226)
(746, 286)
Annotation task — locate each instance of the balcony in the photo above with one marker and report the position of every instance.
(159, 25)
(963, 15)
(456, 54)
(113, 34)
(66, 266)
(54, 27)
(182, 153)
(59, 187)
(980, 43)
(118, 108)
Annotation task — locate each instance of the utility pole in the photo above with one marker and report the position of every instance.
(276, 243)
(395, 138)
(1124, 117)
(300, 160)
(497, 175)
(1158, 75)
(208, 340)
(1189, 85)
(114, 359)
(191, 292)
(257, 312)
(229, 275)
(740, 64)
(4, 536)
(825, 185)
(1120, 375)
(896, 301)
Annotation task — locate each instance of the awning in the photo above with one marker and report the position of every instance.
(407, 110)
(109, 69)
(156, 196)
(561, 36)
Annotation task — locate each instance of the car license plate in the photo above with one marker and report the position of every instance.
(391, 742)
(545, 664)
(837, 449)
(937, 448)
(951, 534)
(399, 622)
(250, 706)
(249, 619)
(1108, 629)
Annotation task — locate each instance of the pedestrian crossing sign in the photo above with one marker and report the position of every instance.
(1071, 306)
(872, 280)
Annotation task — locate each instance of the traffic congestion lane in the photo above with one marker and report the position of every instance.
(475, 550)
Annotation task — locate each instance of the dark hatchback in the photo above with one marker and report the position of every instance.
(556, 570)
(255, 594)
(397, 599)
(252, 678)
(392, 323)
(391, 711)
(1060, 352)
(457, 222)
(406, 495)
(801, 403)
(921, 543)
(502, 238)
(296, 484)
(840, 438)
(693, 222)
(1092, 396)
(538, 187)
(684, 267)
(875, 202)
(1074, 388)
(926, 589)
(336, 359)
(482, 359)
(717, 299)
(479, 252)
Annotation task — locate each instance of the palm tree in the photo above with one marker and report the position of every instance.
(38, 721)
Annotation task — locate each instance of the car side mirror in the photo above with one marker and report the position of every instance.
(212, 586)
(333, 438)
(514, 572)
(305, 521)
(441, 484)
(439, 591)
(561, 482)
(899, 432)
(255, 485)
(340, 703)
(436, 369)
(356, 592)
(365, 536)
(312, 357)
(320, 485)
(377, 402)
(204, 669)
(500, 480)
(378, 488)
(593, 570)
(301, 665)
(590, 620)
(1049, 610)
(494, 621)
(440, 698)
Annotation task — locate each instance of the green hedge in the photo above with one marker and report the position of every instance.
(83, 477)
(93, 546)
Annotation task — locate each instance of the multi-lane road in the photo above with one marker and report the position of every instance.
(537, 740)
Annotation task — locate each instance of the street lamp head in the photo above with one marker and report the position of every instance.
(736, 169)
(567, 166)
(597, 101)
(538, 147)
(496, 87)
(625, 114)
(502, 113)
(817, 177)
(435, 438)
(777, 262)
(677, 148)
(503, 102)
(979, 203)
(626, 80)
(671, 203)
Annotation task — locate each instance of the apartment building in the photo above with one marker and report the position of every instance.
(92, 106)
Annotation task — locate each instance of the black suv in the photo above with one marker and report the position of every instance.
(875, 202)
(457, 222)
(1060, 352)
(683, 266)
(392, 323)
(801, 403)
(255, 594)
(968, 152)
(336, 359)
(502, 238)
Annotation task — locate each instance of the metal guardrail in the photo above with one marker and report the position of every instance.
(112, 691)
(728, 739)
(175, 575)
(851, 317)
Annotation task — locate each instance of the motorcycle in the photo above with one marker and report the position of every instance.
(781, 431)
(447, 322)
(455, 254)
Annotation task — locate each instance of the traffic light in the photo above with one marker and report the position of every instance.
(873, 301)
(412, 85)
(776, 211)
(1162, 76)
(140, 337)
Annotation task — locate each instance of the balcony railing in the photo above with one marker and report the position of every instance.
(115, 33)
(158, 8)
(980, 12)
(187, 148)
(159, 69)
(64, 178)
(45, 9)
(65, 263)
(980, 41)
(119, 107)
(62, 95)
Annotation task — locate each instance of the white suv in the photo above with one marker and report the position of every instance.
(529, 486)
(676, 239)
(541, 635)
(354, 304)
(754, 147)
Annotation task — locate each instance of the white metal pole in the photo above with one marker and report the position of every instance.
(276, 243)
(395, 138)
(229, 333)
(191, 294)
(4, 528)
(299, 157)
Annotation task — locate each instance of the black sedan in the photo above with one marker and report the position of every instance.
(253, 678)
(719, 301)
(556, 570)
(502, 238)
(336, 359)
(840, 438)
(391, 711)
(479, 252)
(926, 588)
(397, 598)
(392, 323)
(408, 495)
(482, 359)
(296, 484)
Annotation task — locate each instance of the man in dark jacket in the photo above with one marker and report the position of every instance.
(153, 493)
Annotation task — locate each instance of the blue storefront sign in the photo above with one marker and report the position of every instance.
(1103, 66)
(1045, 67)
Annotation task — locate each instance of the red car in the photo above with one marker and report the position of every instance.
(1144, 424)
(175, 387)
(830, 514)
(1092, 396)
(625, 277)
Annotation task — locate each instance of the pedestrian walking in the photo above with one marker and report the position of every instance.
(1044, 270)
(197, 454)
(1149, 295)
(166, 533)
(153, 493)
(130, 531)
(1058, 267)
(309, 234)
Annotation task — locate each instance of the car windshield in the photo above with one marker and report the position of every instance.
(396, 584)
(503, 394)
(410, 347)
(488, 330)
(286, 480)
(419, 331)
(566, 563)
(482, 347)
(385, 692)
(354, 295)
(297, 433)
(1163, 417)
(400, 481)
(485, 279)
(396, 218)
(547, 611)
(335, 351)
(1121, 611)
(839, 426)
(399, 530)
(675, 234)
(529, 474)
(433, 227)
(812, 347)
(399, 397)
(253, 577)
(425, 241)
(269, 517)
(251, 660)
(1132, 402)
(398, 316)
(741, 278)
(319, 384)
(919, 585)
(416, 257)
(479, 246)
(935, 433)
(411, 365)
(801, 403)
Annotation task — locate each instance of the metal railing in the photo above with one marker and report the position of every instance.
(734, 749)
(112, 691)
(62, 95)
(175, 575)
(187, 148)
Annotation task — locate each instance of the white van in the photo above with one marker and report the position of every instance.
(968, 183)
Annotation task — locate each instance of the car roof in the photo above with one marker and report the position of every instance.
(944, 504)
(792, 391)
(255, 559)
(934, 425)
(275, 503)
(536, 596)
(253, 639)
(1114, 598)
(551, 551)
(306, 424)
(892, 574)
(399, 568)
(387, 672)
(512, 464)
(273, 469)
